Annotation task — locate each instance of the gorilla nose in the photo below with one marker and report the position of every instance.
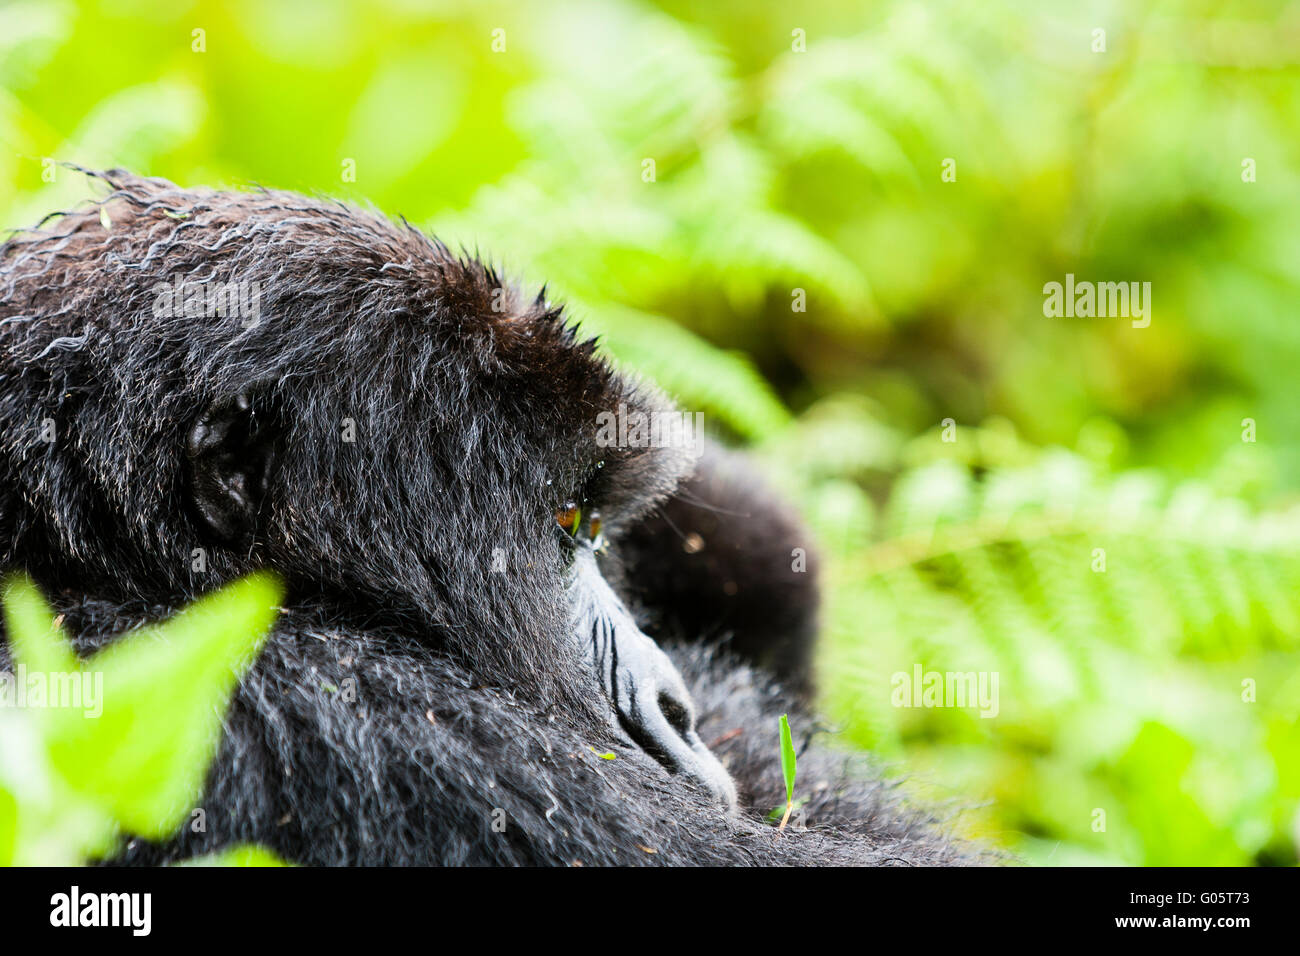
(649, 698)
(656, 712)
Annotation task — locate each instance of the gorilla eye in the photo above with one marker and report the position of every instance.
(569, 517)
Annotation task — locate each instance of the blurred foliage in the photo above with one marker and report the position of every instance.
(777, 171)
(132, 755)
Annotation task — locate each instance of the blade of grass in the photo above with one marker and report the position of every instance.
(788, 768)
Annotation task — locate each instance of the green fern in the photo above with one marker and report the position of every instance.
(1003, 572)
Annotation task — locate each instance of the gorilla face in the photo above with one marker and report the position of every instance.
(648, 698)
(236, 458)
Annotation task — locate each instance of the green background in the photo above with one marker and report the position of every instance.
(1098, 533)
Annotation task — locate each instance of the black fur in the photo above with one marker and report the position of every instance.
(475, 410)
(716, 562)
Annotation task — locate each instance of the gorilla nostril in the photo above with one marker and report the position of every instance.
(647, 742)
(678, 717)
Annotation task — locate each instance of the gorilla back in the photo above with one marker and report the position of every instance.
(197, 384)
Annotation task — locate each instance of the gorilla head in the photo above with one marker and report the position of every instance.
(197, 384)
(352, 354)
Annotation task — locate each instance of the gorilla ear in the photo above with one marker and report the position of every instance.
(231, 451)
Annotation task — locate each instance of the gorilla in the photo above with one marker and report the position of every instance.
(565, 650)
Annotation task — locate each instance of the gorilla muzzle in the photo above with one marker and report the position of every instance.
(649, 700)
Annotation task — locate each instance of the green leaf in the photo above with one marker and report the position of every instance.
(33, 633)
(787, 759)
(163, 693)
(237, 856)
(8, 826)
